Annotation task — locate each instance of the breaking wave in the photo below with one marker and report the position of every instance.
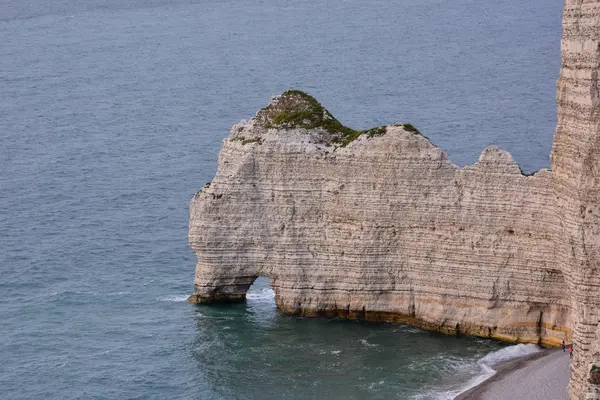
(264, 294)
(509, 353)
(478, 371)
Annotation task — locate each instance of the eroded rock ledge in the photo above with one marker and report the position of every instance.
(379, 225)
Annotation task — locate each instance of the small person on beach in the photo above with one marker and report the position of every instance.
(563, 345)
(571, 351)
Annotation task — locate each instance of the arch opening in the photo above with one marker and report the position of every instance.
(260, 292)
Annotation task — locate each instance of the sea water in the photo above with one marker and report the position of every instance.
(111, 118)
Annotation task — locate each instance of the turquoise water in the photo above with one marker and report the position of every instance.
(268, 355)
(112, 113)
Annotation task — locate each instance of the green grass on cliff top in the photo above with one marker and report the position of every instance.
(296, 109)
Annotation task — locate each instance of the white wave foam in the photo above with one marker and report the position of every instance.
(365, 343)
(508, 353)
(262, 294)
(175, 297)
(483, 370)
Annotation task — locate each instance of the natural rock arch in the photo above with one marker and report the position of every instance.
(378, 224)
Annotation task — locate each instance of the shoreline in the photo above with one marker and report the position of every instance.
(458, 329)
(514, 378)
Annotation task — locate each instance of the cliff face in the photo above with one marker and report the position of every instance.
(385, 228)
(576, 169)
(380, 225)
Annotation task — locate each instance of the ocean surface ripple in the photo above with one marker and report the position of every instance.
(112, 114)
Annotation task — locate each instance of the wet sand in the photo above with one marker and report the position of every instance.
(540, 376)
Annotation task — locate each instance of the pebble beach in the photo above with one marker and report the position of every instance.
(541, 376)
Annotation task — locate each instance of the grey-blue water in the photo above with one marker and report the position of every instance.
(111, 118)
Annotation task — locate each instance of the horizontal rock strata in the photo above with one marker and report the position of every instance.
(379, 225)
(383, 228)
(576, 169)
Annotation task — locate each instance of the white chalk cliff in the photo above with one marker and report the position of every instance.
(379, 225)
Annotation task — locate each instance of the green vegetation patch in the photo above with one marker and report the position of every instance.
(295, 109)
(345, 139)
(246, 140)
(206, 186)
(409, 128)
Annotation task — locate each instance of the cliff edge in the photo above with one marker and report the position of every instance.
(380, 225)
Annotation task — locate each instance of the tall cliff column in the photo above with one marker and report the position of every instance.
(576, 165)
